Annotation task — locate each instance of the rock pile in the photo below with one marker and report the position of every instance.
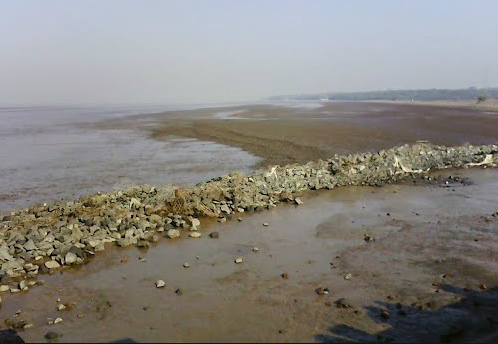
(44, 238)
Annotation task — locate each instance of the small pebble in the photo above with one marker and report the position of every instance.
(160, 284)
(348, 277)
(186, 265)
(255, 249)
(238, 260)
(265, 224)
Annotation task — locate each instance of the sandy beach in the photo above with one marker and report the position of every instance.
(409, 261)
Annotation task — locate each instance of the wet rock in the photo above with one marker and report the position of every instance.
(52, 264)
(385, 314)
(343, 303)
(173, 233)
(15, 323)
(214, 235)
(70, 258)
(51, 335)
(368, 238)
(322, 291)
(160, 284)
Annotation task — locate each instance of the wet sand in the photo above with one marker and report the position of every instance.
(434, 247)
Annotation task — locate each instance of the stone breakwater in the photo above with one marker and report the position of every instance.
(45, 238)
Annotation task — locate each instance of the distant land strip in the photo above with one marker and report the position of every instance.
(472, 93)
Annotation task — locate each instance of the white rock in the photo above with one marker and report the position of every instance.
(238, 260)
(265, 224)
(195, 235)
(255, 249)
(61, 307)
(57, 320)
(4, 288)
(160, 283)
(52, 264)
(70, 258)
(23, 285)
(186, 265)
(196, 222)
(298, 201)
(173, 233)
(348, 277)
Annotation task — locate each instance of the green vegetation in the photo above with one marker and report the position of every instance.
(472, 93)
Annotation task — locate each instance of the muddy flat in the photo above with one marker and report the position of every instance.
(419, 276)
(407, 262)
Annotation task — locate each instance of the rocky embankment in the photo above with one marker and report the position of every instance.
(45, 238)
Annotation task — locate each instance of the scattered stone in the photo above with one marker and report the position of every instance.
(173, 233)
(186, 265)
(265, 224)
(4, 288)
(214, 235)
(142, 259)
(195, 235)
(51, 335)
(28, 326)
(255, 249)
(196, 222)
(238, 260)
(61, 307)
(368, 238)
(343, 303)
(348, 277)
(15, 323)
(298, 201)
(160, 283)
(57, 320)
(285, 275)
(322, 291)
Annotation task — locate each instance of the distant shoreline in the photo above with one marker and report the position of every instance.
(489, 104)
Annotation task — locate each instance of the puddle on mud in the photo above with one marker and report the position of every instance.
(221, 301)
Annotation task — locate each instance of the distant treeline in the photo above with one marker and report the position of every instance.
(471, 93)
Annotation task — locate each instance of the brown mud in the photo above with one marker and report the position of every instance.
(421, 278)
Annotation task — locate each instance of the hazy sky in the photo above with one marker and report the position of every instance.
(215, 51)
